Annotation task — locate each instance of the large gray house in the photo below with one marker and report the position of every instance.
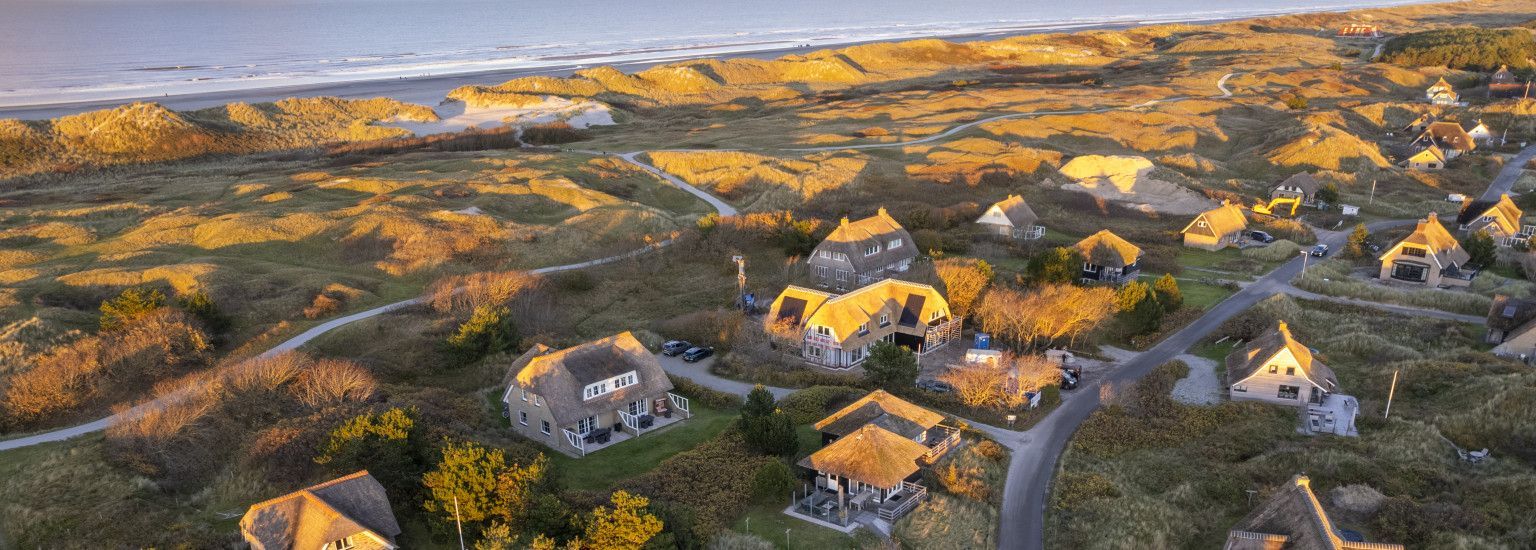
(862, 252)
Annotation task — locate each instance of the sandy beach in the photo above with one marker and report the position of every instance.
(430, 90)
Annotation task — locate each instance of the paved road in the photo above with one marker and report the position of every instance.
(720, 205)
(1511, 172)
(1037, 451)
(699, 373)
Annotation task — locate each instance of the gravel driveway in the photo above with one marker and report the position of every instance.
(1201, 386)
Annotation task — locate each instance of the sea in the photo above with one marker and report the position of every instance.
(61, 51)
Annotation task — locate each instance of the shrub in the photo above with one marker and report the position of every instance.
(1467, 48)
(575, 281)
(132, 304)
(386, 444)
(489, 330)
(201, 305)
(773, 483)
(463, 484)
(814, 403)
(714, 399)
(890, 365)
(554, 133)
(721, 461)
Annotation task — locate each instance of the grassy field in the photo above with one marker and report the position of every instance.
(602, 469)
(773, 525)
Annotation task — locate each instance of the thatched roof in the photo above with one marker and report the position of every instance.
(884, 410)
(349, 506)
(871, 454)
(1510, 314)
(1225, 219)
(1447, 135)
(1295, 516)
(561, 376)
(1423, 121)
(908, 306)
(1427, 154)
(1439, 85)
(1443, 249)
(1015, 210)
(1243, 363)
(1108, 249)
(852, 238)
(1506, 216)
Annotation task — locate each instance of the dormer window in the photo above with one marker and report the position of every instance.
(826, 254)
(864, 329)
(885, 319)
(871, 250)
(1201, 223)
(894, 244)
(343, 544)
(1414, 251)
(823, 330)
(610, 385)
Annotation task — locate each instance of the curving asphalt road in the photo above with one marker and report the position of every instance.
(1505, 181)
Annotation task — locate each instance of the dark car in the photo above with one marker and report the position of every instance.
(674, 347)
(1319, 250)
(1261, 236)
(936, 386)
(1068, 381)
(693, 355)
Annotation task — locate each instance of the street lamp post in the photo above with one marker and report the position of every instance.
(1304, 257)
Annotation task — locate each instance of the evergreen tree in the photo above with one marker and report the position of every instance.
(1480, 246)
(386, 444)
(489, 330)
(890, 366)
(132, 304)
(200, 305)
(1168, 293)
(1329, 193)
(1138, 307)
(1057, 265)
(467, 473)
(774, 481)
(760, 404)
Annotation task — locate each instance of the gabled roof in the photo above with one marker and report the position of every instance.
(1224, 219)
(1018, 213)
(909, 306)
(1293, 515)
(1303, 181)
(882, 409)
(1503, 76)
(1448, 135)
(852, 237)
(560, 377)
(1510, 314)
(351, 506)
(1440, 84)
(1243, 363)
(1423, 121)
(1444, 250)
(1504, 212)
(1108, 249)
(1428, 154)
(870, 454)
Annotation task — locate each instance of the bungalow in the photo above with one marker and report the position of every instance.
(1510, 328)
(1441, 93)
(1359, 30)
(1293, 518)
(1301, 186)
(862, 252)
(837, 331)
(1217, 228)
(1500, 219)
(585, 398)
(1504, 84)
(1275, 368)
(1450, 137)
(1429, 256)
(1107, 258)
(872, 453)
(1011, 218)
(1428, 158)
(347, 513)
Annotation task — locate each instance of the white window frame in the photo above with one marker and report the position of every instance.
(826, 254)
(885, 319)
(605, 387)
(871, 250)
(813, 351)
(824, 330)
(525, 395)
(544, 426)
(586, 425)
(522, 417)
(894, 244)
(821, 271)
(344, 543)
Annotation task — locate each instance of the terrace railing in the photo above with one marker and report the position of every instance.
(951, 438)
(680, 403)
(915, 494)
(630, 421)
(575, 440)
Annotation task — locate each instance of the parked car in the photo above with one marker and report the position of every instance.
(936, 386)
(1261, 236)
(674, 347)
(1068, 381)
(693, 355)
(1320, 250)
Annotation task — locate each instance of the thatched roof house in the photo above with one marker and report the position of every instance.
(1512, 327)
(837, 330)
(1216, 228)
(347, 512)
(881, 409)
(1500, 218)
(860, 252)
(1429, 255)
(1293, 519)
(1276, 347)
(564, 378)
(1450, 137)
(1011, 218)
(1109, 250)
(870, 454)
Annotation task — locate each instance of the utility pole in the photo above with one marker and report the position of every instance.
(458, 522)
(741, 279)
(1372, 199)
(1304, 257)
(1390, 394)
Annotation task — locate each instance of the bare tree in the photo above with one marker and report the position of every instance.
(964, 281)
(977, 385)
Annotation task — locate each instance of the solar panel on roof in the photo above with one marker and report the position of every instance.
(1509, 312)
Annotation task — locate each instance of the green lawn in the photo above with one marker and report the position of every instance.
(1200, 295)
(604, 468)
(770, 522)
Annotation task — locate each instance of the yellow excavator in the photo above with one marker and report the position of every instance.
(1276, 204)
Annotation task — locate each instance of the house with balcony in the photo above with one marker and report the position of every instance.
(1217, 228)
(347, 513)
(1293, 518)
(861, 252)
(1108, 259)
(1011, 219)
(837, 331)
(1275, 368)
(1429, 256)
(586, 398)
(868, 469)
(1500, 219)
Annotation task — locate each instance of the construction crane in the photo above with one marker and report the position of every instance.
(1270, 208)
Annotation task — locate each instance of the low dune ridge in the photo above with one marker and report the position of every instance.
(1129, 180)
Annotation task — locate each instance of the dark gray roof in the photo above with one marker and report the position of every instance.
(560, 377)
(1509, 313)
(853, 238)
(1303, 181)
